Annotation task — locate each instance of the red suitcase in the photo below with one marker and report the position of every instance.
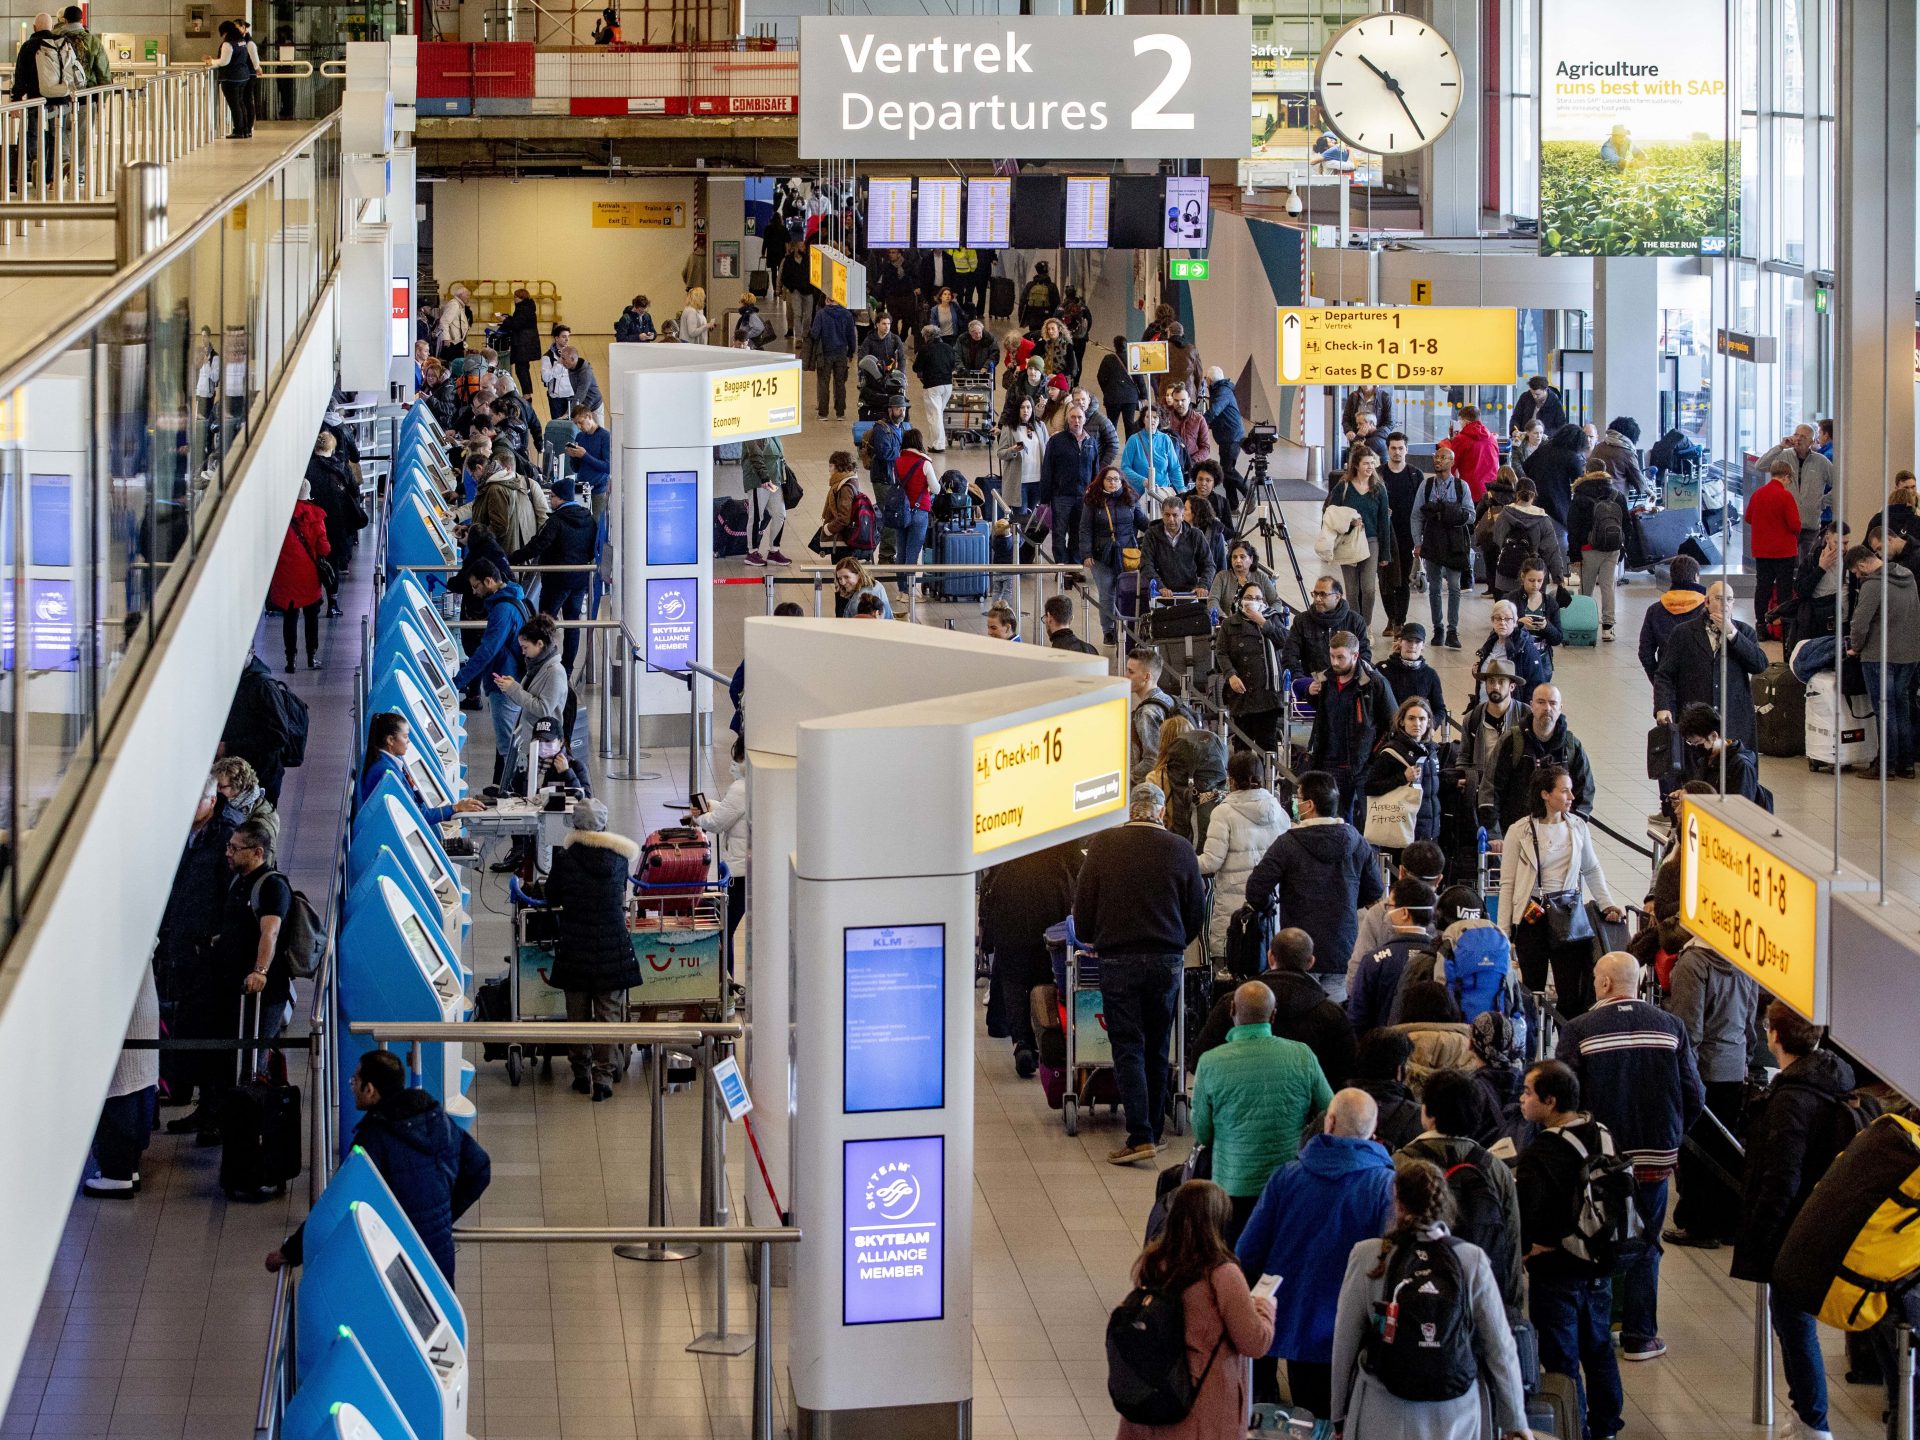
(674, 861)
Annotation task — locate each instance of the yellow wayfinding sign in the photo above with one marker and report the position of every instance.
(1403, 345)
(1047, 774)
(1756, 900)
(639, 214)
(748, 404)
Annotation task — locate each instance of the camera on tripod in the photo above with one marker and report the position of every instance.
(1260, 439)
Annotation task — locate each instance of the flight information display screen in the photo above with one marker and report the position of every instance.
(939, 221)
(989, 212)
(1089, 200)
(890, 213)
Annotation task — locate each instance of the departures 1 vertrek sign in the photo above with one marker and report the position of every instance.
(1111, 87)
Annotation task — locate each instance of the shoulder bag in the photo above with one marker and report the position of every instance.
(1566, 917)
(322, 568)
(1393, 817)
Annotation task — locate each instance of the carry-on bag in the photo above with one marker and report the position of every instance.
(1838, 728)
(1000, 296)
(957, 545)
(1780, 711)
(1702, 548)
(1580, 617)
(1656, 537)
(1857, 1238)
(260, 1129)
(678, 856)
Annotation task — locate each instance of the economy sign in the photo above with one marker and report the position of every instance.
(1748, 891)
(1092, 87)
(1427, 345)
(1045, 775)
(1635, 158)
(748, 404)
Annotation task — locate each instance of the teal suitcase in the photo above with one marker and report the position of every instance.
(1580, 620)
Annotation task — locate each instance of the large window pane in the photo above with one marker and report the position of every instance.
(1790, 190)
(1792, 367)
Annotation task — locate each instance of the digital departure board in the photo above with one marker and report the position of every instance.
(939, 221)
(890, 214)
(989, 212)
(1089, 199)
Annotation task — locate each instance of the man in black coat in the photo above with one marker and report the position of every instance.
(1689, 668)
(1353, 707)
(1322, 874)
(254, 731)
(1019, 901)
(593, 961)
(571, 536)
(1302, 1011)
(1314, 627)
(1057, 616)
(1542, 738)
(1176, 555)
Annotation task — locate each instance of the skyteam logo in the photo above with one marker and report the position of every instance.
(893, 1191)
(672, 605)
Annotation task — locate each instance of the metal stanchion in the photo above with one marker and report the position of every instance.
(763, 1342)
(603, 668)
(1903, 1391)
(713, 1156)
(657, 1165)
(1762, 1357)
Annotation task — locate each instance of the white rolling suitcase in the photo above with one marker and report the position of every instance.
(1858, 727)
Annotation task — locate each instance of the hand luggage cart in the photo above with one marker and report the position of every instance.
(1089, 1058)
(969, 414)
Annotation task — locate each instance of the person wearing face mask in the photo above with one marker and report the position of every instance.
(1544, 740)
(1247, 647)
(242, 798)
(1706, 748)
(727, 822)
(1507, 641)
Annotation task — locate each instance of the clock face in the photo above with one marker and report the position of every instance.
(1388, 83)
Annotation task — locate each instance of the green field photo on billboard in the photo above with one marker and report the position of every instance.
(1668, 199)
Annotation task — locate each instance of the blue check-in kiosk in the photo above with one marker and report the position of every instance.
(397, 691)
(425, 686)
(408, 604)
(427, 476)
(343, 1396)
(389, 821)
(396, 965)
(416, 536)
(363, 1278)
(358, 1181)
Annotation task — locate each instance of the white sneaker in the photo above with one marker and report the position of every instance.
(1606, 633)
(1793, 1429)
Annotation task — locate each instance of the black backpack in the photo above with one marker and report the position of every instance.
(1148, 1377)
(1515, 551)
(1608, 530)
(1419, 1342)
(303, 935)
(1480, 1218)
(1249, 935)
(290, 721)
(1606, 1223)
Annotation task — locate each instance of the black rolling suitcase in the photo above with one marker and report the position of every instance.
(1703, 549)
(259, 1124)
(960, 545)
(1656, 537)
(1000, 294)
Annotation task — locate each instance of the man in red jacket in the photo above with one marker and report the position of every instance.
(1773, 523)
(1475, 452)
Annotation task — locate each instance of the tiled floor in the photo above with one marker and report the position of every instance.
(155, 1319)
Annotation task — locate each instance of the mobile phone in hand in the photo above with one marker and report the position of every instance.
(697, 803)
(1264, 1287)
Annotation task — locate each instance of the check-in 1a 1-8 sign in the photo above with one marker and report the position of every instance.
(1400, 345)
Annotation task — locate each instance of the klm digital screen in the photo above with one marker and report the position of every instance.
(673, 531)
(895, 1018)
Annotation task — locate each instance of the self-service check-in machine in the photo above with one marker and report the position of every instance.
(430, 690)
(407, 597)
(396, 965)
(416, 536)
(358, 1181)
(389, 821)
(364, 1279)
(399, 692)
(401, 635)
(343, 1396)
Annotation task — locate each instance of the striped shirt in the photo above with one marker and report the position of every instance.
(1637, 1077)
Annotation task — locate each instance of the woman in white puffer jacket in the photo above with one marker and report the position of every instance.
(1243, 827)
(727, 823)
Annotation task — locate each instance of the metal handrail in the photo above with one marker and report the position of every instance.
(279, 1332)
(637, 1032)
(55, 342)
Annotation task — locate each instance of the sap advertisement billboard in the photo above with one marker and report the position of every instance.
(1635, 157)
(1060, 87)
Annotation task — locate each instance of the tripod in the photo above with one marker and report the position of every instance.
(1262, 516)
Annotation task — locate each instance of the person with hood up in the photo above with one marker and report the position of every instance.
(1310, 636)
(1302, 1010)
(1242, 828)
(495, 652)
(1542, 738)
(1352, 709)
(1539, 404)
(1555, 468)
(1409, 754)
(297, 590)
(1549, 868)
(1798, 1131)
(1476, 455)
(1313, 1211)
(435, 1169)
(1596, 534)
(1525, 529)
(1614, 453)
(1887, 611)
(1680, 602)
(1690, 665)
(1323, 873)
(593, 959)
(1720, 1007)
(1507, 641)
(1246, 648)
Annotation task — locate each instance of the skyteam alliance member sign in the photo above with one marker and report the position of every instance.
(1634, 153)
(893, 1203)
(950, 87)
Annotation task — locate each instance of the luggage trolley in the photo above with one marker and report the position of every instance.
(969, 414)
(1076, 973)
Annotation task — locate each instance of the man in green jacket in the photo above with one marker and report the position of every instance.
(1252, 1098)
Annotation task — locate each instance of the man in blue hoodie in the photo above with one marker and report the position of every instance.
(496, 653)
(592, 455)
(1305, 1224)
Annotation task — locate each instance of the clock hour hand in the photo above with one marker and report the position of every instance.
(1391, 83)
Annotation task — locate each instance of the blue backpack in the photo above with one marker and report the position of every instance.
(1478, 967)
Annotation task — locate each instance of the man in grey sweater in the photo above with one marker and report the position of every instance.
(1812, 478)
(1888, 600)
(1720, 1006)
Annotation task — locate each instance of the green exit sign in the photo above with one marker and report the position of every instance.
(1187, 269)
(1820, 301)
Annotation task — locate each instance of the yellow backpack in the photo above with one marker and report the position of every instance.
(1858, 1236)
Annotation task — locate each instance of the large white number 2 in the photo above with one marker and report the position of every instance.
(1148, 115)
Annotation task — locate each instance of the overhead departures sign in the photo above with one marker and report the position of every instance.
(752, 403)
(1398, 346)
(1045, 775)
(1764, 911)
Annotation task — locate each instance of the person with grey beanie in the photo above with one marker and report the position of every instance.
(593, 959)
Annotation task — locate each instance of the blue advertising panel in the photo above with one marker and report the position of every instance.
(892, 1207)
(895, 1018)
(51, 498)
(673, 621)
(673, 530)
(50, 630)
